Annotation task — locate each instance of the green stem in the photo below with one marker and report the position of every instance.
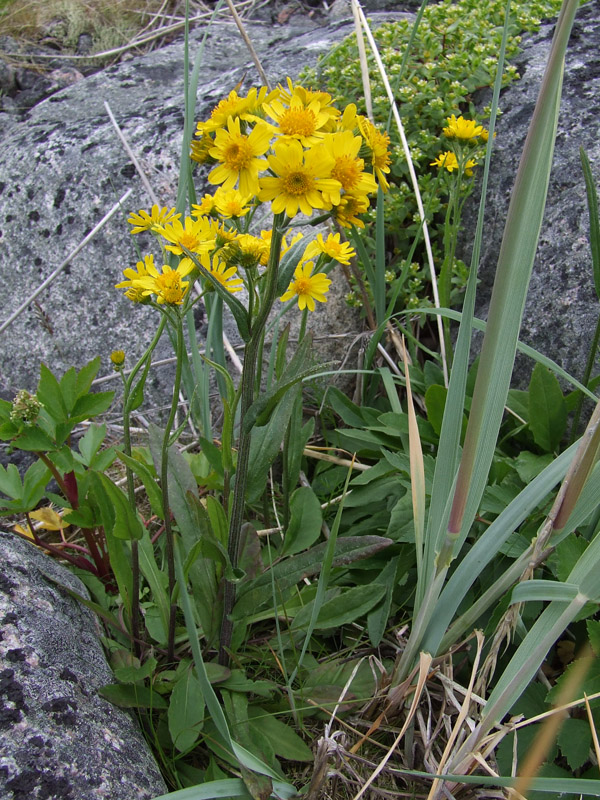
(164, 474)
(247, 398)
(135, 558)
(591, 360)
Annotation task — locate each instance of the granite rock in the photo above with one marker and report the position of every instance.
(562, 308)
(60, 739)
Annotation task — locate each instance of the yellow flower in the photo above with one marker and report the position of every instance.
(235, 106)
(248, 251)
(297, 121)
(205, 207)
(167, 286)
(198, 235)
(232, 203)
(200, 151)
(301, 179)
(226, 276)
(377, 144)
(462, 128)
(142, 270)
(450, 162)
(346, 213)
(306, 287)
(150, 222)
(348, 169)
(238, 156)
(341, 252)
(306, 97)
(117, 357)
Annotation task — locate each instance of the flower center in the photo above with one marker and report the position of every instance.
(170, 287)
(347, 171)
(297, 122)
(189, 240)
(302, 285)
(298, 183)
(238, 154)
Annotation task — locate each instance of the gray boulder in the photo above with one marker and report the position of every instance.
(63, 167)
(60, 739)
(562, 307)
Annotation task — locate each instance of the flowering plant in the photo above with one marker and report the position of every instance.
(290, 148)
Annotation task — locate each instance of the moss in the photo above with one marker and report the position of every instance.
(453, 55)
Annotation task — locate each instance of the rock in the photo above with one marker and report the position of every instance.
(60, 739)
(562, 307)
(64, 167)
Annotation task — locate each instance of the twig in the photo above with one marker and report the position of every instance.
(66, 262)
(249, 45)
(131, 155)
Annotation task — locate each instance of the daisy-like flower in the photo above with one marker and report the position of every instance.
(307, 96)
(306, 287)
(142, 270)
(449, 161)
(462, 128)
(239, 156)
(205, 207)
(166, 285)
(341, 252)
(248, 251)
(348, 169)
(144, 221)
(350, 206)
(305, 123)
(234, 106)
(226, 276)
(199, 151)
(377, 144)
(232, 203)
(300, 179)
(198, 235)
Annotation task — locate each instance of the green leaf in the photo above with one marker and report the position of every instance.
(90, 443)
(50, 395)
(264, 447)
(343, 609)
(377, 618)
(136, 396)
(288, 264)
(435, 402)
(68, 388)
(593, 632)
(547, 409)
(132, 696)
(574, 740)
(290, 571)
(153, 491)
(34, 439)
(86, 375)
(306, 519)
(284, 741)
(186, 711)
(127, 524)
(90, 405)
(10, 482)
(592, 200)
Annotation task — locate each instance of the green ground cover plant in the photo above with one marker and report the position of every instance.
(370, 586)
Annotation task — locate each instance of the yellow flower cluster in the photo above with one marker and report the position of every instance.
(463, 132)
(289, 147)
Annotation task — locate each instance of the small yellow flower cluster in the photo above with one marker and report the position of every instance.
(463, 132)
(289, 147)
